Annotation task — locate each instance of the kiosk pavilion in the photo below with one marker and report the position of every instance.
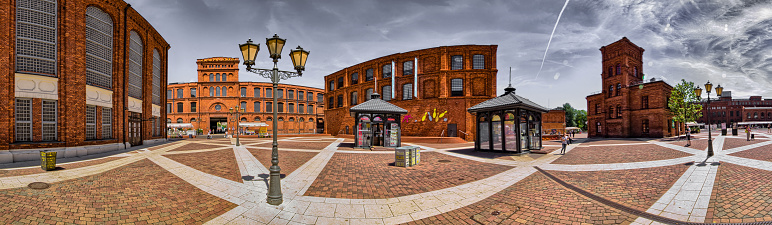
(508, 123)
(377, 123)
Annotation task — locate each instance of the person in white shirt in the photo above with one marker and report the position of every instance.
(564, 140)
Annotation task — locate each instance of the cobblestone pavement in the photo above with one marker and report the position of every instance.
(697, 143)
(741, 195)
(619, 154)
(615, 181)
(221, 163)
(37, 170)
(140, 192)
(373, 176)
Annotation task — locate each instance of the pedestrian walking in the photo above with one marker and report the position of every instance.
(688, 136)
(564, 140)
(748, 133)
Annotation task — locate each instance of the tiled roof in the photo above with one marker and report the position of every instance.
(507, 101)
(377, 105)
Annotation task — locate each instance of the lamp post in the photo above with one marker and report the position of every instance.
(698, 92)
(249, 52)
(238, 112)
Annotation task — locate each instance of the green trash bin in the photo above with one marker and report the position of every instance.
(48, 160)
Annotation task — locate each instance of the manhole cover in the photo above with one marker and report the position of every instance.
(38, 185)
(495, 213)
(444, 161)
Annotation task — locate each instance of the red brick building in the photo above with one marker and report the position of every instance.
(628, 105)
(435, 85)
(79, 77)
(204, 103)
(553, 123)
(729, 110)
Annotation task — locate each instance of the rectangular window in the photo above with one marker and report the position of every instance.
(243, 106)
(91, 122)
(331, 102)
(257, 106)
(192, 92)
(407, 92)
(49, 120)
(280, 93)
(456, 62)
(407, 68)
(597, 108)
(731, 113)
(36, 36)
(179, 93)
(269, 92)
(340, 82)
(369, 74)
(290, 94)
(310, 109)
(340, 100)
(368, 94)
(243, 92)
(310, 96)
(478, 62)
(179, 107)
(192, 107)
(387, 71)
(107, 124)
(23, 119)
(168, 108)
(301, 108)
(169, 94)
(353, 98)
(645, 102)
(301, 95)
(332, 85)
(386, 90)
(269, 106)
(319, 97)
(457, 87)
(291, 108)
(280, 106)
(354, 78)
(257, 92)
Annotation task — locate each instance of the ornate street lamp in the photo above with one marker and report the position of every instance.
(249, 52)
(698, 92)
(238, 112)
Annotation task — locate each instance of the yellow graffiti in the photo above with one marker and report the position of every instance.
(434, 115)
(423, 118)
(443, 113)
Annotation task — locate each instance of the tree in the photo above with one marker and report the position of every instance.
(682, 104)
(570, 115)
(581, 119)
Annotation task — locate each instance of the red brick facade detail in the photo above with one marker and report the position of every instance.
(729, 110)
(555, 119)
(433, 108)
(628, 105)
(71, 73)
(217, 67)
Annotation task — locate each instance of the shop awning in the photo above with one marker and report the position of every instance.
(249, 124)
(179, 125)
(572, 128)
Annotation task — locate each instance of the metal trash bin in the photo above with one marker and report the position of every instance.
(402, 157)
(47, 160)
(415, 155)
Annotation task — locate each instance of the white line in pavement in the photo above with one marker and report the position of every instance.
(250, 167)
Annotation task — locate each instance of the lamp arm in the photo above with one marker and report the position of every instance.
(282, 75)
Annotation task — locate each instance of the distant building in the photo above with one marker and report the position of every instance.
(553, 123)
(204, 104)
(436, 86)
(78, 77)
(628, 105)
(729, 110)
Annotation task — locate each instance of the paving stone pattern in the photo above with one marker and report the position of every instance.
(289, 161)
(741, 194)
(373, 176)
(195, 146)
(698, 144)
(534, 200)
(731, 143)
(141, 192)
(603, 141)
(759, 153)
(318, 145)
(36, 170)
(618, 154)
(492, 154)
(221, 163)
(636, 188)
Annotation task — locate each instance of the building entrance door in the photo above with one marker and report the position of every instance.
(135, 129)
(218, 125)
(452, 130)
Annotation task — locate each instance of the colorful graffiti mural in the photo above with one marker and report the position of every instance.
(431, 115)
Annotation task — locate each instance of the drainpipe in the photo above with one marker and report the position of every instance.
(125, 77)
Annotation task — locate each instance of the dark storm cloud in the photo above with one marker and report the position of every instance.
(726, 41)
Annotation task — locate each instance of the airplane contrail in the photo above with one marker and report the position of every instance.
(550, 41)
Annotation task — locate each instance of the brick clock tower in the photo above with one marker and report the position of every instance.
(628, 105)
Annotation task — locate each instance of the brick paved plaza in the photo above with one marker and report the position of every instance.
(325, 181)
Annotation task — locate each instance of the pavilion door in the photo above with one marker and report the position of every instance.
(452, 130)
(135, 129)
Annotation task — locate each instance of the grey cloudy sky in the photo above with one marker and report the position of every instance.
(728, 42)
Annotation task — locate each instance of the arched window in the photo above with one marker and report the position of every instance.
(211, 77)
(619, 111)
(354, 78)
(36, 36)
(269, 106)
(619, 69)
(610, 90)
(179, 107)
(310, 119)
(387, 71)
(192, 120)
(457, 87)
(407, 91)
(243, 106)
(755, 115)
(224, 91)
(301, 119)
(368, 94)
(243, 119)
(168, 120)
(281, 118)
(407, 68)
(353, 98)
(280, 105)
(217, 92)
(332, 85)
(749, 115)
(340, 82)
(645, 126)
(157, 77)
(369, 74)
(310, 109)
(217, 76)
(635, 71)
(257, 106)
(211, 92)
(269, 119)
(99, 50)
(611, 112)
(292, 119)
(598, 127)
(619, 89)
(610, 71)
(224, 77)
(257, 119)
(179, 120)
(135, 65)
(340, 100)
(456, 62)
(291, 108)
(301, 108)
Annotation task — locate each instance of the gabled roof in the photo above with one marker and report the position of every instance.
(508, 100)
(377, 105)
